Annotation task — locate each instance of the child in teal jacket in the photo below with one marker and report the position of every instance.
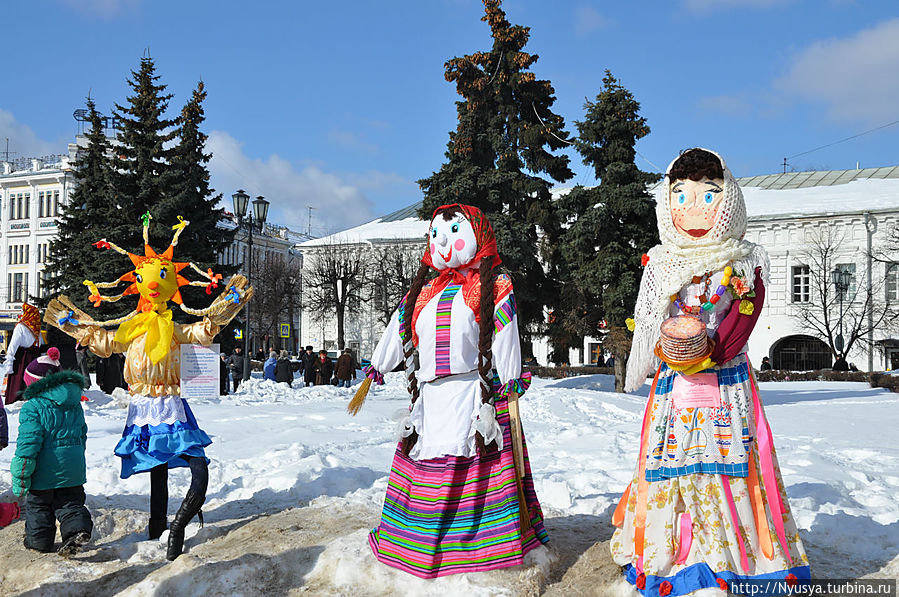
(49, 462)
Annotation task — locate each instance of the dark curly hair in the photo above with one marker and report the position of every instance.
(695, 163)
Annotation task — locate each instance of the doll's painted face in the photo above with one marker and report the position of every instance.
(157, 281)
(452, 242)
(694, 205)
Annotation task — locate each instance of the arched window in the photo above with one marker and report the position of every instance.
(800, 353)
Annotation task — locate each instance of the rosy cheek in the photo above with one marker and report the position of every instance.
(433, 249)
(459, 244)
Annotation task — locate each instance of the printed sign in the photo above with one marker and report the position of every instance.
(200, 371)
(284, 329)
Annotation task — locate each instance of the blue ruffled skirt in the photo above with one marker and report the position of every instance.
(148, 445)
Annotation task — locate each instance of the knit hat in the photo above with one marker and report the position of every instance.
(43, 366)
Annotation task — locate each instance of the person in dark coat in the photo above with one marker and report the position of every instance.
(346, 369)
(65, 344)
(111, 373)
(840, 364)
(236, 365)
(284, 369)
(81, 364)
(309, 367)
(223, 374)
(766, 364)
(324, 369)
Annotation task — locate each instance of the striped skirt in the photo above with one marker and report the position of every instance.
(451, 514)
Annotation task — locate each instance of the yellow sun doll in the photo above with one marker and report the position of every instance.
(160, 432)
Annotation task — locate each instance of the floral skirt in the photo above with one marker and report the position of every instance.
(454, 514)
(693, 530)
(159, 430)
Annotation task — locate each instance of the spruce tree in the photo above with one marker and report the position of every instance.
(613, 223)
(143, 176)
(190, 197)
(502, 144)
(85, 219)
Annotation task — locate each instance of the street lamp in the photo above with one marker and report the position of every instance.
(841, 281)
(248, 221)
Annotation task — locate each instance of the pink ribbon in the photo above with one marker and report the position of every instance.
(725, 483)
(766, 460)
(686, 537)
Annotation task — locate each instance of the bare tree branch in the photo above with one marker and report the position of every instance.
(333, 282)
(825, 249)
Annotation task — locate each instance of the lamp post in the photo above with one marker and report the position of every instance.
(841, 280)
(248, 220)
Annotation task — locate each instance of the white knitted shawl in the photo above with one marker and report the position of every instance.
(673, 264)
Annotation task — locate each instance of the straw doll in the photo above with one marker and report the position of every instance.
(460, 496)
(707, 505)
(161, 431)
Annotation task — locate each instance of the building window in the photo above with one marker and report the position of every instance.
(27, 206)
(43, 287)
(892, 283)
(849, 295)
(55, 212)
(18, 287)
(801, 283)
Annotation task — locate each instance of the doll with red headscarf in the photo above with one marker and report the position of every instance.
(24, 346)
(706, 506)
(460, 497)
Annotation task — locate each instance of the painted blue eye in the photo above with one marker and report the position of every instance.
(138, 278)
(162, 273)
(708, 197)
(682, 198)
(455, 228)
(433, 233)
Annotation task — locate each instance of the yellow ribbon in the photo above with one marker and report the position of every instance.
(159, 330)
(181, 224)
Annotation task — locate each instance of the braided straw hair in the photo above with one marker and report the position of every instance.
(487, 275)
(410, 355)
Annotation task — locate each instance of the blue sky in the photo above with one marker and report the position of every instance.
(343, 105)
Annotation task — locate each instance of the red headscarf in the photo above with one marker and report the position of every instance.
(31, 318)
(483, 233)
(470, 279)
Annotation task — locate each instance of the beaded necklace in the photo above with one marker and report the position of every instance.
(707, 304)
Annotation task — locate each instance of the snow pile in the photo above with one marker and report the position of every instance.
(296, 484)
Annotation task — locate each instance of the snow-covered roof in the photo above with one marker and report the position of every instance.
(859, 195)
(770, 196)
(400, 225)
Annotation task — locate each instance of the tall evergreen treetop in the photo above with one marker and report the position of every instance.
(143, 173)
(189, 196)
(84, 220)
(503, 142)
(614, 222)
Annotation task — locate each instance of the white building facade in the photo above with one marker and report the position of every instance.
(30, 202)
(363, 324)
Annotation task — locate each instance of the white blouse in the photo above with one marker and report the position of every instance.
(453, 350)
(446, 414)
(22, 337)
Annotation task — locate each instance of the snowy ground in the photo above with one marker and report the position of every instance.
(295, 483)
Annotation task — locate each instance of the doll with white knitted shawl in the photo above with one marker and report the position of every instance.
(706, 506)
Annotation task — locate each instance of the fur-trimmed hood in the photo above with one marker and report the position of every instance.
(50, 387)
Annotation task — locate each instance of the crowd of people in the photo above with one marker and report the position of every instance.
(315, 369)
